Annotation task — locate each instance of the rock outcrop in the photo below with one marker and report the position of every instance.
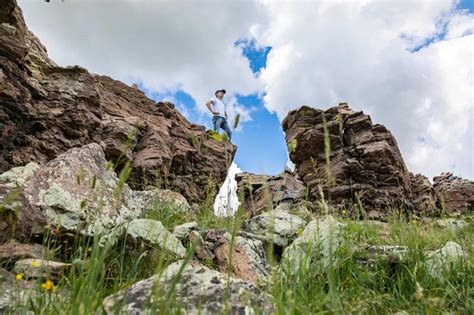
(74, 193)
(366, 166)
(424, 197)
(456, 193)
(262, 192)
(277, 227)
(194, 290)
(315, 247)
(248, 261)
(46, 110)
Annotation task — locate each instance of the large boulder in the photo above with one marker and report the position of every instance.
(39, 268)
(248, 260)
(316, 246)
(263, 192)
(195, 289)
(76, 192)
(47, 110)
(445, 260)
(277, 227)
(152, 233)
(366, 166)
(426, 199)
(457, 193)
(13, 251)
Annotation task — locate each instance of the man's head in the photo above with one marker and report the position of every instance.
(220, 93)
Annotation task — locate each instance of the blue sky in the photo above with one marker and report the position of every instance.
(261, 146)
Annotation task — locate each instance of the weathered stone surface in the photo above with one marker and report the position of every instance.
(13, 251)
(316, 246)
(426, 199)
(277, 226)
(199, 290)
(39, 268)
(457, 193)
(47, 110)
(14, 292)
(173, 198)
(182, 231)
(248, 261)
(451, 223)
(153, 233)
(263, 192)
(365, 161)
(446, 259)
(390, 253)
(75, 192)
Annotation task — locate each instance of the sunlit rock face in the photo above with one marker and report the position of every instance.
(46, 110)
(366, 167)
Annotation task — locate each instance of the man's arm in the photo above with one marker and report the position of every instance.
(210, 107)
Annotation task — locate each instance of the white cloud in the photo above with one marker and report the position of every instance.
(323, 52)
(227, 201)
(327, 52)
(166, 45)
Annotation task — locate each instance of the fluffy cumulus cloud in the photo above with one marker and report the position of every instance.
(409, 64)
(164, 45)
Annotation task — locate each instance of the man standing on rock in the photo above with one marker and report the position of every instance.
(218, 110)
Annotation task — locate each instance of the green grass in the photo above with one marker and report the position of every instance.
(346, 287)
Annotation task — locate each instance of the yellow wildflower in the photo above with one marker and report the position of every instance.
(48, 285)
(414, 221)
(34, 263)
(299, 231)
(344, 211)
(19, 276)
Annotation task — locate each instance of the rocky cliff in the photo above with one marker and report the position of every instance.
(261, 193)
(46, 109)
(457, 193)
(365, 164)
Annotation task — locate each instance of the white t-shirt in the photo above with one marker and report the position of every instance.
(219, 106)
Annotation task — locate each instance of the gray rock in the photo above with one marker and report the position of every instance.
(172, 197)
(197, 289)
(153, 233)
(447, 258)
(13, 251)
(451, 223)
(389, 253)
(256, 251)
(319, 241)
(74, 192)
(18, 176)
(39, 268)
(248, 260)
(201, 251)
(14, 292)
(277, 226)
(182, 231)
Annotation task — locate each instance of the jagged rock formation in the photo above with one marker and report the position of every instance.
(424, 197)
(365, 162)
(262, 192)
(457, 193)
(46, 109)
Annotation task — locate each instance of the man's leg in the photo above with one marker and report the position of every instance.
(226, 127)
(216, 122)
